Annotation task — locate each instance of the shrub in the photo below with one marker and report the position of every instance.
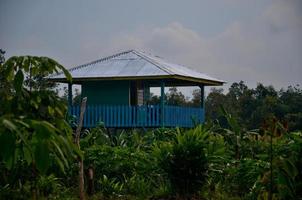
(133, 168)
(110, 187)
(184, 161)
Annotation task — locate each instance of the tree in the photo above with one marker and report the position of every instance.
(213, 102)
(175, 97)
(196, 98)
(154, 99)
(33, 130)
(291, 107)
(251, 107)
(2, 58)
(237, 90)
(241, 102)
(76, 100)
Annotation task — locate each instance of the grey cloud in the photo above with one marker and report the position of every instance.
(243, 51)
(262, 44)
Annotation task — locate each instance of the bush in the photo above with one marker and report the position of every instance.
(184, 161)
(110, 187)
(132, 168)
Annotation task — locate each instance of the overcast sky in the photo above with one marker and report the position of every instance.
(233, 40)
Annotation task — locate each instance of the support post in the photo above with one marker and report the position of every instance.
(77, 142)
(146, 93)
(69, 95)
(162, 103)
(202, 103)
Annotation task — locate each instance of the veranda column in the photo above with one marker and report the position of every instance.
(202, 117)
(146, 93)
(162, 103)
(69, 95)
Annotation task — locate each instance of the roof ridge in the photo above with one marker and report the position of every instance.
(152, 61)
(99, 60)
(94, 62)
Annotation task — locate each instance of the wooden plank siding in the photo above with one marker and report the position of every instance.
(147, 116)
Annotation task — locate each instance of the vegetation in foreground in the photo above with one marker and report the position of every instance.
(38, 159)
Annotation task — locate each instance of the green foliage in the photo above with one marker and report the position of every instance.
(138, 186)
(175, 97)
(49, 185)
(176, 163)
(2, 58)
(33, 132)
(125, 168)
(243, 174)
(250, 107)
(118, 162)
(25, 119)
(184, 161)
(219, 160)
(128, 160)
(110, 187)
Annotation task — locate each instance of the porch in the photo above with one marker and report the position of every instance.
(146, 116)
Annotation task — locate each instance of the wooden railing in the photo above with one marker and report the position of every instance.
(139, 116)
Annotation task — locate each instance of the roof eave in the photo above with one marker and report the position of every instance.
(205, 82)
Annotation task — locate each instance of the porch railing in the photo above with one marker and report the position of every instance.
(139, 116)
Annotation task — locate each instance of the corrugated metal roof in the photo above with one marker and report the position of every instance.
(134, 64)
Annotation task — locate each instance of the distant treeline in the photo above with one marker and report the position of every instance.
(251, 107)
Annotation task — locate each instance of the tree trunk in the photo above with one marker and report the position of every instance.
(90, 186)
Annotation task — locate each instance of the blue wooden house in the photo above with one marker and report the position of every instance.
(118, 89)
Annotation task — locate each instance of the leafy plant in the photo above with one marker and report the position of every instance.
(49, 185)
(138, 186)
(110, 187)
(33, 130)
(184, 161)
